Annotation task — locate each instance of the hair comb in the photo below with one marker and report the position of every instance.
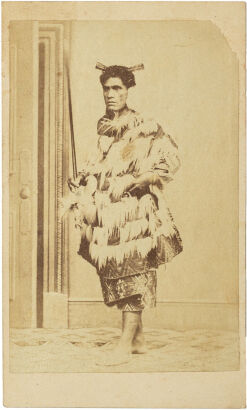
(102, 67)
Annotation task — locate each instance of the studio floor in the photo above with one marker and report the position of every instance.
(75, 350)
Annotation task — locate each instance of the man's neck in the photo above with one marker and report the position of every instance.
(116, 114)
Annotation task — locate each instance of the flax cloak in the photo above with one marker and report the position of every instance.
(127, 233)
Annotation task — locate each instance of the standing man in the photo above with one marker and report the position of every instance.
(127, 229)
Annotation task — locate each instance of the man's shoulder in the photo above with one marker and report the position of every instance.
(130, 112)
(133, 119)
(103, 118)
(102, 124)
(130, 119)
(149, 126)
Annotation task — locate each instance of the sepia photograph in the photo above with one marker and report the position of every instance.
(123, 197)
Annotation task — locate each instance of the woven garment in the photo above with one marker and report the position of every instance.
(134, 292)
(127, 229)
(120, 224)
(135, 304)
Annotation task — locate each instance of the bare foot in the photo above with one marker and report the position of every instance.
(139, 345)
(139, 349)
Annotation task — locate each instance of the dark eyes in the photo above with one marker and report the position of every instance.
(115, 87)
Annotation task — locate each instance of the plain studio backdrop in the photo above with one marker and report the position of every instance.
(189, 85)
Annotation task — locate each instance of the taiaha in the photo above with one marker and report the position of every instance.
(74, 164)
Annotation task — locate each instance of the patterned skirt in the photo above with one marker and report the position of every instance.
(130, 293)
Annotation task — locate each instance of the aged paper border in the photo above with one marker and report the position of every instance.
(170, 390)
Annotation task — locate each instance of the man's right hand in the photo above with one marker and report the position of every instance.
(74, 183)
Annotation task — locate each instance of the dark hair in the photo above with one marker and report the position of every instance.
(121, 72)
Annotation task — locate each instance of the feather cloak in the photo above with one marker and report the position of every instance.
(125, 231)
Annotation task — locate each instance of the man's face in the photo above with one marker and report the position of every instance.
(115, 93)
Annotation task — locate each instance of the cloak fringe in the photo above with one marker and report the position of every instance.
(138, 151)
(118, 213)
(101, 254)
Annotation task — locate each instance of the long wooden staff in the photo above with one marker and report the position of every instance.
(75, 174)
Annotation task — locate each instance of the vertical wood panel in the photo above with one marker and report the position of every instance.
(24, 80)
(13, 174)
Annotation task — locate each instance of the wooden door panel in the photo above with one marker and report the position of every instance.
(23, 175)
